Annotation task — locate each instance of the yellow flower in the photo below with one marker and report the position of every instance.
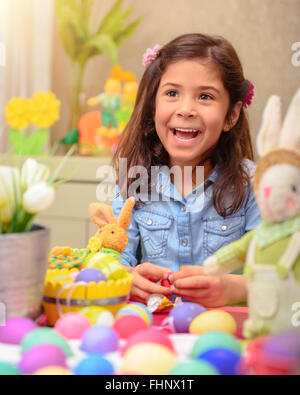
(17, 113)
(44, 109)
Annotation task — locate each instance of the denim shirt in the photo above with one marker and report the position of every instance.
(172, 235)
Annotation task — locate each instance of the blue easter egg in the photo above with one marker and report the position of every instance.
(94, 365)
(225, 361)
(90, 275)
(100, 340)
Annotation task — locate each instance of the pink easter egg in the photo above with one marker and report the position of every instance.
(127, 325)
(148, 335)
(72, 326)
(43, 356)
(15, 329)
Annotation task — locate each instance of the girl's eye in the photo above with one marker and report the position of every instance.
(204, 96)
(172, 93)
(294, 188)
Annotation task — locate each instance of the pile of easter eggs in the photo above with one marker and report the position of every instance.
(94, 342)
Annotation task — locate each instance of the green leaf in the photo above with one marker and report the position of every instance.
(17, 140)
(105, 44)
(111, 15)
(127, 32)
(71, 138)
(70, 12)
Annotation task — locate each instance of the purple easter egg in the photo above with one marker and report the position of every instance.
(90, 275)
(41, 357)
(100, 339)
(286, 344)
(15, 329)
(183, 314)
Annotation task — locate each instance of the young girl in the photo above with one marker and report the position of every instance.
(188, 116)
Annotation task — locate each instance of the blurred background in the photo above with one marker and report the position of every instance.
(262, 31)
(41, 47)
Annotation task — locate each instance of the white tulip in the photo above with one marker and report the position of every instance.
(9, 192)
(38, 198)
(33, 173)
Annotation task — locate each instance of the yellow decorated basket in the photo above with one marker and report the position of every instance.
(62, 296)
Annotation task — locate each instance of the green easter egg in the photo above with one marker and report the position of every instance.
(116, 271)
(45, 336)
(211, 340)
(196, 368)
(7, 369)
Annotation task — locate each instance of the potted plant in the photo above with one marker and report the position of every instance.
(25, 191)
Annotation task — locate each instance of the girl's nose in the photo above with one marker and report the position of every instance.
(267, 191)
(186, 109)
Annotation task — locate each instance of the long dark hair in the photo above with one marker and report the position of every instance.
(141, 146)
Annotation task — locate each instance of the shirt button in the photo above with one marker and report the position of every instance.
(184, 243)
(160, 187)
(224, 227)
(149, 222)
(183, 209)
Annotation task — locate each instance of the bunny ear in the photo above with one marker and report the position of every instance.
(290, 133)
(125, 214)
(101, 214)
(269, 133)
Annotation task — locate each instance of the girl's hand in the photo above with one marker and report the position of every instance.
(145, 277)
(209, 291)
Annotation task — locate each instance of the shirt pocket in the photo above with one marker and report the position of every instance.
(154, 229)
(219, 232)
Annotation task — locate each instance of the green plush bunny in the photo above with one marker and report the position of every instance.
(271, 252)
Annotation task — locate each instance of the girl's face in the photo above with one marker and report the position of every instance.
(191, 108)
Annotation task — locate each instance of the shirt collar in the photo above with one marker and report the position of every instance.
(165, 187)
(267, 234)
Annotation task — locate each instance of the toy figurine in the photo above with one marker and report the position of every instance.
(272, 250)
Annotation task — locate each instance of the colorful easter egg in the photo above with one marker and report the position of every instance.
(213, 320)
(127, 325)
(15, 329)
(45, 336)
(148, 359)
(100, 339)
(137, 309)
(149, 335)
(211, 340)
(94, 365)
(183, 314)
(98, 315)
(197, 368)
(90, 275)
(7, 369)
(41, 356)
(225, 361)
(72, 326)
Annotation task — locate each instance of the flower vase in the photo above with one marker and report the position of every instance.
(23, 266)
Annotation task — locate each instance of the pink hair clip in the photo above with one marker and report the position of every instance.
(249, 96)
(151, 54)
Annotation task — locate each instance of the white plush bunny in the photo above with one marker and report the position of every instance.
(271, 251)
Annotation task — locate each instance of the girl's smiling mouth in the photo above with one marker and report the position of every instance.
(185, 134)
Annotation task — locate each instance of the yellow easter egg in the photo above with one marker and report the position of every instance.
(213, 320)
(53, 371)
(94, 313)
(148, 359)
